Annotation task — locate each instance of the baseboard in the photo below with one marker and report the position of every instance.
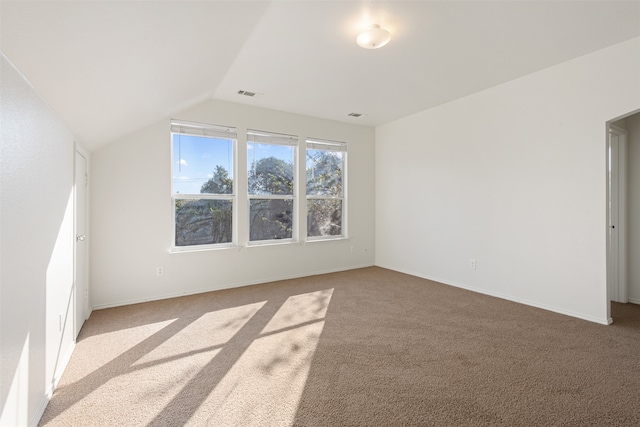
(227, 286)
(634, 301)
(562, 311)
(33, 422)
(63, 364)
(54, 384)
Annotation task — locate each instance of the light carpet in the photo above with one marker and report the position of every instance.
(367, 347)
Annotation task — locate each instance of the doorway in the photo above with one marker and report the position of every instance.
(616, 214)
(623, 211)
(81, 250)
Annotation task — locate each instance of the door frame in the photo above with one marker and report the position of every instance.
(82, 308)
(616, 215)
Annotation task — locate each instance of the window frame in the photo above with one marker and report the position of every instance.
(211, 131)
(333, 146)
(273, 138)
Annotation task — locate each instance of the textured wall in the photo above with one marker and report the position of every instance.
(36, 249)
(513, 177)
(131, 213)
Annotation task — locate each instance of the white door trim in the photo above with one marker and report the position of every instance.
(616, 214)
(81, 261)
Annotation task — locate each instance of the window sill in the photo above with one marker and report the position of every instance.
(266, 243)
(250, 246)
(189, 249)
(327, 239)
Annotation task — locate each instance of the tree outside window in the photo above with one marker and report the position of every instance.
(271, 185)
(204, 190)
(202, 184)
(325, 189)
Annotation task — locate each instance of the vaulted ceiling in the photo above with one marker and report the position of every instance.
(111, 67)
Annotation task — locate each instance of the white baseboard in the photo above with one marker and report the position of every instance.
(602, 321)
(63, 363)
(227, 286)
(41, 408)
(54, 383)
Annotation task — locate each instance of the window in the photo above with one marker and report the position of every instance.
(203, 183)
(325, 189)
(271, 185)
(205, 188)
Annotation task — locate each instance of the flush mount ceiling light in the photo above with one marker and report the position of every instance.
(373, 37)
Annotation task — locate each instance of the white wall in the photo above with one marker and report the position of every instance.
(36, 249)
(131, 214)
(632, 124)
(513, 177)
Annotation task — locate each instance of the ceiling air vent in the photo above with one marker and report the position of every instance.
(246, 93)
(355, 114)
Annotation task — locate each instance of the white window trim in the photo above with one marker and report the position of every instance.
(316, 239)
(214, 131)
(336, 146)
(272, 138)
(240, 229)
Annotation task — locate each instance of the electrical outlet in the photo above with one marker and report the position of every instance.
(160, 271)
(353, 249)
(472, 264)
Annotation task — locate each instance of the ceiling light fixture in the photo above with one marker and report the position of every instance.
(373, 37)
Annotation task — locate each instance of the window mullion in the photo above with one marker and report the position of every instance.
(270, 197)
(242, 208)
(314, 197)
(204, 196)
(300, 208)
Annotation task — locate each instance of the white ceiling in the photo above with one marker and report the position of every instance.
(111, 67)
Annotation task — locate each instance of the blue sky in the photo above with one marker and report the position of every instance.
(195, 158)
(260, 151)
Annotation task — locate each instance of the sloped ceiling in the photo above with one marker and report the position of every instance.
(111, 67)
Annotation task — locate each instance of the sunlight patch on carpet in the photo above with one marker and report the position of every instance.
(106, 347)
(204, 334)
(265, 385)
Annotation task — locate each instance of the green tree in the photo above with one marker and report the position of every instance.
(324, 173)
(203, 222)
(271, 218)
(206, 221)
(219, 184)
(324, 178)
(271, 176)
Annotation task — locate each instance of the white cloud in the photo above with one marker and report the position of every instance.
(183, 162)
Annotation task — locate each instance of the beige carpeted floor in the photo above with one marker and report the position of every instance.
(367, 347)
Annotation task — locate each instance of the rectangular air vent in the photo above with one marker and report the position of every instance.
(355, 115)
(246, 93)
